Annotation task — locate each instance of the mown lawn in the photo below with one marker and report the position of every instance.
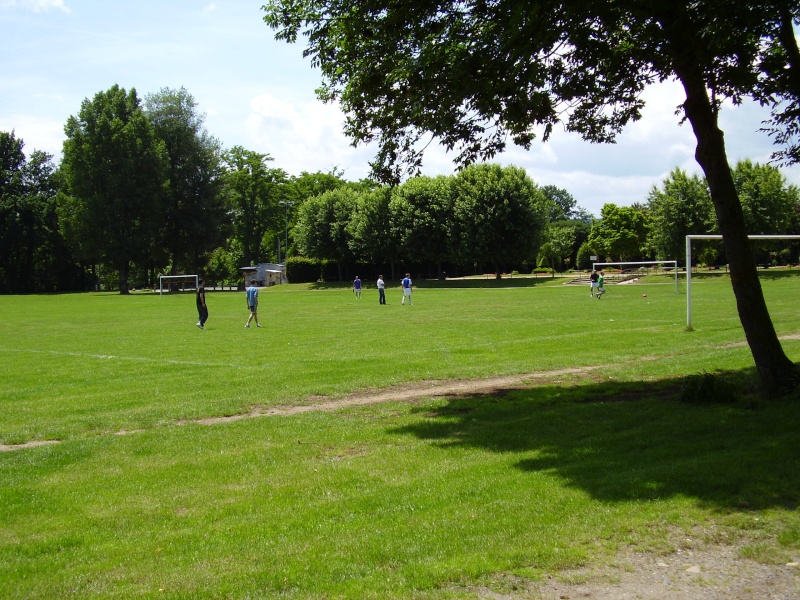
(421, 499)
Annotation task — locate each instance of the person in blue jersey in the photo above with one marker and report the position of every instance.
(252, 303)
(357, 288)
(408, 285)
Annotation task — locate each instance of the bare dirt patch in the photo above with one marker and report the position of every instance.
(693, 570)
(34, 444)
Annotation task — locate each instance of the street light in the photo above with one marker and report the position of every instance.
(287, 204)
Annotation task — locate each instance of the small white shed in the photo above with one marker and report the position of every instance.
(265, 274)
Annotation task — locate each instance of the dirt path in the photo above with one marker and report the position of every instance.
(409, 393)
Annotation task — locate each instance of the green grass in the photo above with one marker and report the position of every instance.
(428, 499)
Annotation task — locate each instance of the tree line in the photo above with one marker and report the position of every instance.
(143, 190)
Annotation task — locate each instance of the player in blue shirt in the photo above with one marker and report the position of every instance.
(252, 303)
(407, 287)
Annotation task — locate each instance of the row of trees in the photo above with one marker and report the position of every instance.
(657, 229)
(142, 189)
(486, 215)
(495, 217)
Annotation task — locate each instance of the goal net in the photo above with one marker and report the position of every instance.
(717, 236)
(182, 280)
(645, 267)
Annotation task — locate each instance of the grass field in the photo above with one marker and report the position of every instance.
(431, 498)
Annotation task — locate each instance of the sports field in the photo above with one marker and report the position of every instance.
(371, 461)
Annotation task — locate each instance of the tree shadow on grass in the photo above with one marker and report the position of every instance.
(629, 441)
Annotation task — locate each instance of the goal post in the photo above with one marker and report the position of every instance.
(161, 278)
(673, 263)
(710, 236)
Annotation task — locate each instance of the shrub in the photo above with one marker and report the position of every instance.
(300, 269)
(708, 388)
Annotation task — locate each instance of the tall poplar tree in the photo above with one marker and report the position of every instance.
(194, 210)
(115, 169)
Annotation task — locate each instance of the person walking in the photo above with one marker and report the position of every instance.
(202, 307)
(593, 282)
(601, 288)
(357, 288)
(252, 303)
(407, 287)
(381, 290)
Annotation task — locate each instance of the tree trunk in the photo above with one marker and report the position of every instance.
(123, 277)
(775, 369)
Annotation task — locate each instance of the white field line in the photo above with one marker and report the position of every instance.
(128, 358)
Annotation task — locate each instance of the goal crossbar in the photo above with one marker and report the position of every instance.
(710, 236)
(161, 279)
(674, 264)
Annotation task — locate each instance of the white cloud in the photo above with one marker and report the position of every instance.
(210, 8)
(35, 5)
(304, 136)
(38, 133)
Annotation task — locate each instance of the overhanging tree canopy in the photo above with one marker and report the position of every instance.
(476, 73)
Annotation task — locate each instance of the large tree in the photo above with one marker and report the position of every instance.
(476, 73)
(621, 232)
(768, 201)
(422, 218)
(254, 192)
(194, 211)
(321, 231)
(371, 235)
(34, 256)
(682, 206)
(499, 216)
(115, 170)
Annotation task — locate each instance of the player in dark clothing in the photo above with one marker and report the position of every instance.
(202, 307)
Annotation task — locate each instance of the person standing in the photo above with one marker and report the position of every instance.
(601, 289)
(357, 287)
(381, 290)
(252, 303)
(593, 282)
(407, 287)
(202, 307)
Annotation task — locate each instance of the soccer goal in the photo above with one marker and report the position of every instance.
(664, 264)
(180, 279)
(710, 236)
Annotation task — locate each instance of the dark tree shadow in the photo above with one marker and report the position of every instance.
(623, 441)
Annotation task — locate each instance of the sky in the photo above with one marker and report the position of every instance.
(258, 93)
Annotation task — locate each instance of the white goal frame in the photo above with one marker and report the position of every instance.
(161, 279)
(710, 236)
(674, 264)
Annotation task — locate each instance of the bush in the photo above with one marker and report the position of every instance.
(708, 388)
(300, 269)
(330, 271)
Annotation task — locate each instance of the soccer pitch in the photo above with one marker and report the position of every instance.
(148, 490)
(88, 364)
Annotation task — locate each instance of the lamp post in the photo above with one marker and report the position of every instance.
(287, 204)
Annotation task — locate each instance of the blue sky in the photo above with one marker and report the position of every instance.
(259, 93)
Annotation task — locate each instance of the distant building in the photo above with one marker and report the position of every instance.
(266, 274)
